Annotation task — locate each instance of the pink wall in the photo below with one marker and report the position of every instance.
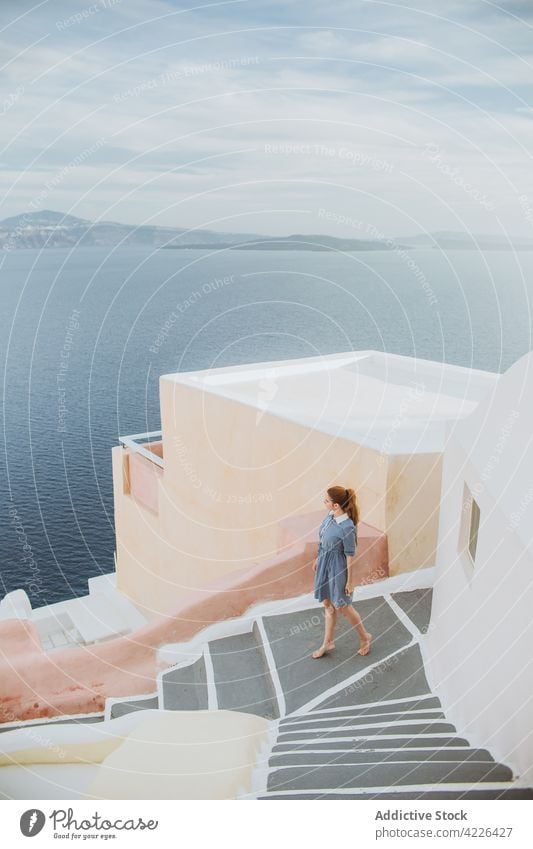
(144, 478)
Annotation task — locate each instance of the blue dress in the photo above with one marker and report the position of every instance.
(337, 540)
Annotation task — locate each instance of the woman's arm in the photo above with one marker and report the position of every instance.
(350, 561)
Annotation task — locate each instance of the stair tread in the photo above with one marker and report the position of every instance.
(383, 742)
(510, 793)
(121, 708)
(385, 775)
(436, 727)
(241, 675)
(344, 720)
(185, 688)
(400, 676)
(464, 755)
(420, 703)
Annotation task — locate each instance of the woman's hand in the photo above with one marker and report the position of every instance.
(315, 565)
(348, 589)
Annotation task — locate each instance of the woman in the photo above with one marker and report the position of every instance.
(334, 564)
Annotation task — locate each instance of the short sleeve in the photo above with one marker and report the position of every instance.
(349, 538)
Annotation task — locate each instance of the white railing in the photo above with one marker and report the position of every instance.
(135, 440)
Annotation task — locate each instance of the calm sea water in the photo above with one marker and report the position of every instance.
(85, 336)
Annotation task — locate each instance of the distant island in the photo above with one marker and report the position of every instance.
(51, 229)
(293, 243)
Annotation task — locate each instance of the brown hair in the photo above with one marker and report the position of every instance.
(346, 499)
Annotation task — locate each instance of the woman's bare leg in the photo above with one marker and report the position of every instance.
(351, 614)
(330, 621)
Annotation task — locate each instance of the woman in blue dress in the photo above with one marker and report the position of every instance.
(334, 564)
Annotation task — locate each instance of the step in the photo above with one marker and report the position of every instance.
(185, 687)
(417, 605)
(121, 708)
(369, 743)
(343, 720)
(384, 775)
(400, 676)
(96, 617)
(422, 703)
(241, 674)
(352, 732)
(310, 758)
(510, 793)
(294, 636)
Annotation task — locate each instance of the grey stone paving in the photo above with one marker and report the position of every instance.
(384, 775)
(380, 742)
(295, 758)
(185, 688)
(417, 605)
(423, 703)
(397, 677)
(121, 708)
(373, 730)
(294, 636)
(343, 720)
(242, 678)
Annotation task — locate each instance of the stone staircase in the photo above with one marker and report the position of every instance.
(389, 749)
(344, 726)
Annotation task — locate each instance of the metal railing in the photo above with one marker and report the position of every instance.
(135, 440)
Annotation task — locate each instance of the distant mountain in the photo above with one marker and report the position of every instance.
(451, 240)
(310, 242)
(50, 229)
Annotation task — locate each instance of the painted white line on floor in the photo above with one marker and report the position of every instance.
(462, 787)
(341, 739)
(311, 718)
(363, 705)
(313, 766)
(403, 617)
(355, 725)
(403, 749)
(272, 668)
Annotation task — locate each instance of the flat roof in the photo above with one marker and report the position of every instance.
(392, 403)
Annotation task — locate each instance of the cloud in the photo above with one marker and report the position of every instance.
(189, 105)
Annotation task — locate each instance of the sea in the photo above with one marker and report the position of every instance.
(85, 334)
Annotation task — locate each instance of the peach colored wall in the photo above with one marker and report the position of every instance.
(137, 543)
(144, 481)
(239, 477)
(232, 476)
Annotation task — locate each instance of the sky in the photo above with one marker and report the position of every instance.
(361, 118)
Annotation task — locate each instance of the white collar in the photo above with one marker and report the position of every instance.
(340, 518)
